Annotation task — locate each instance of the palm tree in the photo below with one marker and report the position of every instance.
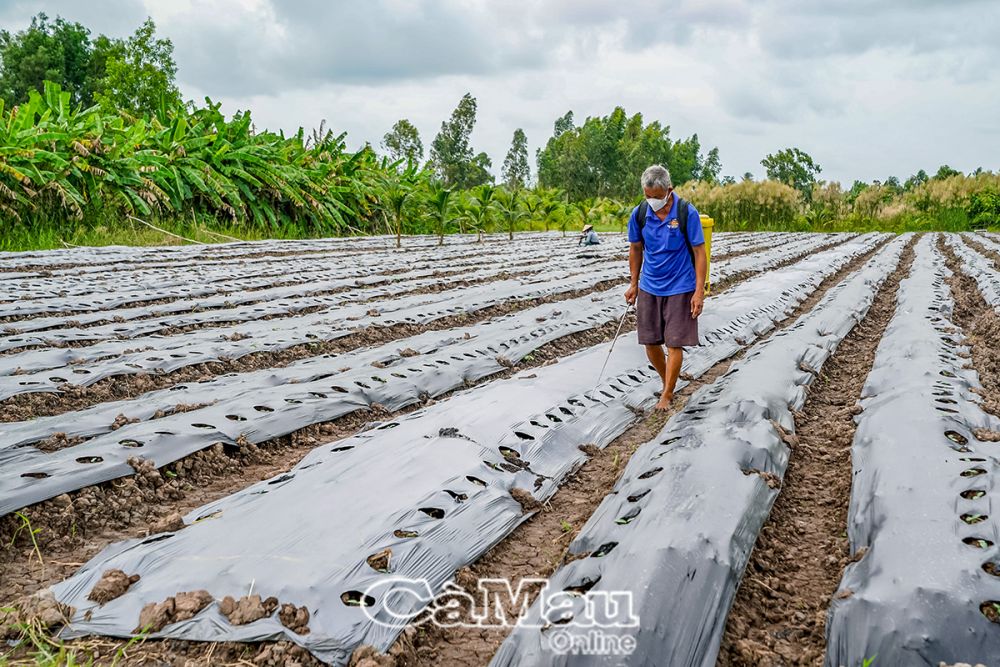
(479, 207)
(552, 202)
(532, 205)
(585, 208)
(399, 187)
(441, 204)
(509, 203)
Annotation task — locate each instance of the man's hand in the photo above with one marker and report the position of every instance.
(697, 303)
(631, 293)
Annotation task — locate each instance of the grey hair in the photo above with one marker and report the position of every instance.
(657, 176)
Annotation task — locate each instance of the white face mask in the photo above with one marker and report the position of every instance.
(657, 204)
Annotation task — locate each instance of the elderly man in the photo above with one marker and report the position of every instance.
(668, 266)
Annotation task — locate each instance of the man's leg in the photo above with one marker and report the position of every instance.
(675, 356)
(655, 355)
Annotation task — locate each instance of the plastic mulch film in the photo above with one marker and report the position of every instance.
(980, 268)
(425, 494)
(283, 279)
(268, 304)
(103, 260)
(928, 579)
(115, 255)
(766, 258)
(46, 369)
(202, 346)
(93, 292)
(278, 402)
(28, 475)
(675, 534)
(418, 497)
(991, 241)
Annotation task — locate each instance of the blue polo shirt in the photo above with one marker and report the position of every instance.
(667, 268)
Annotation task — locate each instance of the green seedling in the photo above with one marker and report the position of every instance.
(565, 525)
(25, 525)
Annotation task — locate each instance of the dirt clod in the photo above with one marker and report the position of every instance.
(986, 435)
(294, 618)
(157, 615)
(247, 609)
(112, 584)
(169, 524)
(772, 480)
(527, 501)
(380, 562)
(41, 608)
(122, 420)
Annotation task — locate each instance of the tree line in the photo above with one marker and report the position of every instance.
(133, 75)
(602, 157)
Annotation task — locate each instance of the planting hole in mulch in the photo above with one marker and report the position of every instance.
(357, 599)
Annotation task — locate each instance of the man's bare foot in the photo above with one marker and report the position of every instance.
(664, 403)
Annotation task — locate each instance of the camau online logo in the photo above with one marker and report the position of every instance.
(597, 623)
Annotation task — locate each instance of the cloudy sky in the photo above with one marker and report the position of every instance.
(869, 88)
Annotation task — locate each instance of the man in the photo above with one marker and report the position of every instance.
(588, 236)
(668, 277)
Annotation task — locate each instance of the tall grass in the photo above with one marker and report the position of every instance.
(957, 203)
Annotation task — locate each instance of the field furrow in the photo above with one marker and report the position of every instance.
(924, 588)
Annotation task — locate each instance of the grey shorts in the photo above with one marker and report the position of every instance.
(666, 320)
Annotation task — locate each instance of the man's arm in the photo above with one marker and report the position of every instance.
(635, 268)
(701, 276)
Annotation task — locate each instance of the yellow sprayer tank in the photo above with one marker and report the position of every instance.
(707, 224)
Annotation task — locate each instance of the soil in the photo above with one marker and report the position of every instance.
(981, 325)
(112, 584)
(779, 615)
